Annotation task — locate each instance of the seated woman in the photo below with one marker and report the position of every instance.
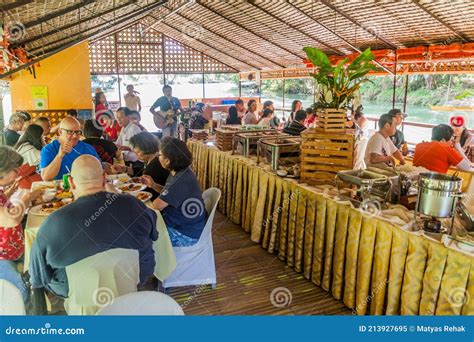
(266, 118)
(462, 135)
(145, 145)
(30, 144)
(11, 215)
(106, 149)
(180, 201)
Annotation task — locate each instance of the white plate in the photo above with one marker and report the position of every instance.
(142, 187)
(121, 178)
(149, 195)
(36, 210)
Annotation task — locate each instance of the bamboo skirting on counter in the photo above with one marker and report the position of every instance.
(373, 266)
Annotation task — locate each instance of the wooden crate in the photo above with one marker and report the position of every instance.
(225, 138)
(324, 154)
(331, 120)
(199, 135)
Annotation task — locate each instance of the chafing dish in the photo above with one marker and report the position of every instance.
(279, 150)
(364, 185)
(248, 140)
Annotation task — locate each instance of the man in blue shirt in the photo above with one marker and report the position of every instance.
(166, 103)
(95, 222)
(57, 157)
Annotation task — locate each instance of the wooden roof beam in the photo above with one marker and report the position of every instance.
(68, 26)
(58, 13)
(442, 22)
(235, 43)
(252, 2)
(246, 29)
(355, 22)
(211, 47)
(14, 5)
(341, 38)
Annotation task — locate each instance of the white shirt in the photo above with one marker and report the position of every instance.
(250, 119)
(379, 145)
(265, 122)
(30, 154)
(124, 140)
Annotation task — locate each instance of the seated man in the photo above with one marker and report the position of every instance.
(57, 157)
(95, 222)
(128, 130)
(438, 155)
(94, 132)
(297, 125)
(380, 148)
(12, 132)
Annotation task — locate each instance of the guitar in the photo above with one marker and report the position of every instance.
(164, 119)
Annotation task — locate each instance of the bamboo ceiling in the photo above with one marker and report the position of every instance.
(246, 35)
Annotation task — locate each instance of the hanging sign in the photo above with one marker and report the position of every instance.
(39, 94)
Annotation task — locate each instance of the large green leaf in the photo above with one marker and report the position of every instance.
(318, 58)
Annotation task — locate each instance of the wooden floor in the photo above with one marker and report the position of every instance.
(246, 277)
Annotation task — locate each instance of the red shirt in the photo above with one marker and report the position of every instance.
(11, 238)
(436, 156)
(113, 131)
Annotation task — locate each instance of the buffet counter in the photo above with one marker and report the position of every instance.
(364, 259)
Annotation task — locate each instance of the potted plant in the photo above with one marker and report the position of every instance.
(338, 84)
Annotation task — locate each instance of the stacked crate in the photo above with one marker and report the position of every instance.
(324, 154)
(331, 120)
(199, 134)
(225, 137)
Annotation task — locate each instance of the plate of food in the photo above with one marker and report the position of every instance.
(131, 187)
(121, 178)
(60, 194)
(48, 208)
(143, 196)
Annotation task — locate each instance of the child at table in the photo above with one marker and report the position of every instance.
(11, 216)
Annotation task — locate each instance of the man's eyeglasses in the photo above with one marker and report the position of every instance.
(69, 132)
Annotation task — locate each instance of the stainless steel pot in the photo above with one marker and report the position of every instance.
(438, 194)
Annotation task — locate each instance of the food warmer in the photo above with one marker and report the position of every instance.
(278, 151)
(247, 141)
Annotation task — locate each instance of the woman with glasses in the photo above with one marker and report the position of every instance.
(11, 215)
(57, 157)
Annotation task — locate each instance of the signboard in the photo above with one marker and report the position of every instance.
(39, 94)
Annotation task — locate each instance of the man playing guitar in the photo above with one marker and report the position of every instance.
(166, 117)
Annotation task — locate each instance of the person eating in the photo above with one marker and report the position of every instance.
(93, 132)
(128, 130)
(250, 117)
(145, 145)
(439, 154)
(462, 135)
(296, 126)
(95, 222)
(266, 118)
(11, 216)
(57, 157)
(380, 148)
(15, 125)
(236, 113)
(398, 138)
(180, 200)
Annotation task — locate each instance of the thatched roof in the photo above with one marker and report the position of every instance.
(247, 35)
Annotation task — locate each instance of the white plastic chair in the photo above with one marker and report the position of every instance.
(143, 303)
(195, 265)
(11, 301)
(95, 281)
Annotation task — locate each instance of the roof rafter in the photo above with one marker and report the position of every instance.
(246, 29)
(234, 42)
(14, 5)
(355, 22)
(441, 21)
(340, 37)
(252, 2)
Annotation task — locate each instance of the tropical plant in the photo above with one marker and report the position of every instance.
(338, 84)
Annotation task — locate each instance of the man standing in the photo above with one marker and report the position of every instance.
(15, 125)
(95, 222)
(129, 129)
(398, 138)
(132, 100)
(57, 157)
(166, 103)
(380, 148)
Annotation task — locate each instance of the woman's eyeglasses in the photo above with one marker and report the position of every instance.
(69, 132)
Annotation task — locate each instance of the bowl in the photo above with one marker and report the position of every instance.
(282, 173)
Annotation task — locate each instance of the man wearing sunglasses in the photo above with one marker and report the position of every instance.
(57, 157)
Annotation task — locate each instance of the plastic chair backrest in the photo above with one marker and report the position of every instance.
(11, 301)
(143, 303)
(103, 276)
(211, 198)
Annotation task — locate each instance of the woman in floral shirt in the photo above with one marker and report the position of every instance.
(11, 215)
